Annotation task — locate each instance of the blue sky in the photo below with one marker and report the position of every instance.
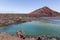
(26, 6)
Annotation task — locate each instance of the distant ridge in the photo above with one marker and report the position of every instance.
(45, 11)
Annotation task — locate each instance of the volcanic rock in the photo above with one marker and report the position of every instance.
(6, 36)
(45, 11)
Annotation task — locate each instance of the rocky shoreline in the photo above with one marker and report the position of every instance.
(6, 22)
(7, 36)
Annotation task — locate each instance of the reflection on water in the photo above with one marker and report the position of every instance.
(42, 27)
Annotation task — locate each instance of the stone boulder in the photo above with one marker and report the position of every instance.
(20, 34)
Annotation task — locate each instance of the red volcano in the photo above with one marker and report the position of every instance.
(45, 11)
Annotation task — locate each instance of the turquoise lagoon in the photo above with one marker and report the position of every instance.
(37, 28)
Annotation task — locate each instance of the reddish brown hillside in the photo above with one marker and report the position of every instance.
(45, 11)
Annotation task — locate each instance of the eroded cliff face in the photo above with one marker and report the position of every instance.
(45, 11)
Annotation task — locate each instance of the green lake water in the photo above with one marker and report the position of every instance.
(50, 28)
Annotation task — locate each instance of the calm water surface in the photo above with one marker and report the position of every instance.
(49, 28)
